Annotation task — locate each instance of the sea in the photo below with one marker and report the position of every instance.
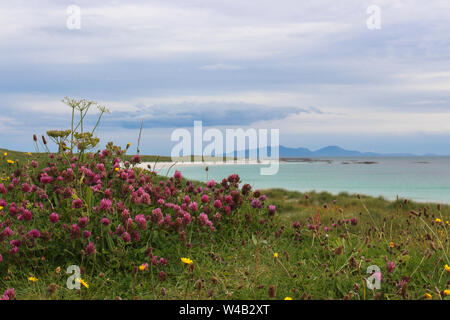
(422, 179)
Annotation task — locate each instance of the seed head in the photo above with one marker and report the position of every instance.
(272, 291)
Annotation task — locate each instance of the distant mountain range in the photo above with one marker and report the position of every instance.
(333, 151)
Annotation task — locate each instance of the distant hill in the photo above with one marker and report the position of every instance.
(334, 151)
(331, 151)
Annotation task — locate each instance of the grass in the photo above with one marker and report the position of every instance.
(39, 156)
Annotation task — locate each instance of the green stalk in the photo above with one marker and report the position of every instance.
(71, 139)
(98, 122)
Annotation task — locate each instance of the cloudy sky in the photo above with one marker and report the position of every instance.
(312, 69)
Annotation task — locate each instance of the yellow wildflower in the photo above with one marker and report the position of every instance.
(84, 283)
(447, 292)
(438, 220)
(128, 145)
(391, 244)
(187, 261)
(447, 268)
(29, 153)
(117, 169)
(143, 267)
(1, 208)
(288, 298)
(33, 279)
(5, 154)
(428, 296)
(10, 161)
(275, 255)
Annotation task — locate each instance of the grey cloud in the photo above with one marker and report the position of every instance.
(212, 114)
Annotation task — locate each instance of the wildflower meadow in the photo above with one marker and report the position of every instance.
(84, 223)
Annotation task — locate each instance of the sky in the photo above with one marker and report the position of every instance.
(312, 69)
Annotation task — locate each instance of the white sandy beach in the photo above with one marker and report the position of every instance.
(167, 165)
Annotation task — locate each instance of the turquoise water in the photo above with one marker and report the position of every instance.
(419, 179)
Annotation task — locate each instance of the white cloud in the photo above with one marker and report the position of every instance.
(220, 66)
(152, 30)
(426, 81)
(353, 122)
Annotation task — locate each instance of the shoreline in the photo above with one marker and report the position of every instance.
(169, 164)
